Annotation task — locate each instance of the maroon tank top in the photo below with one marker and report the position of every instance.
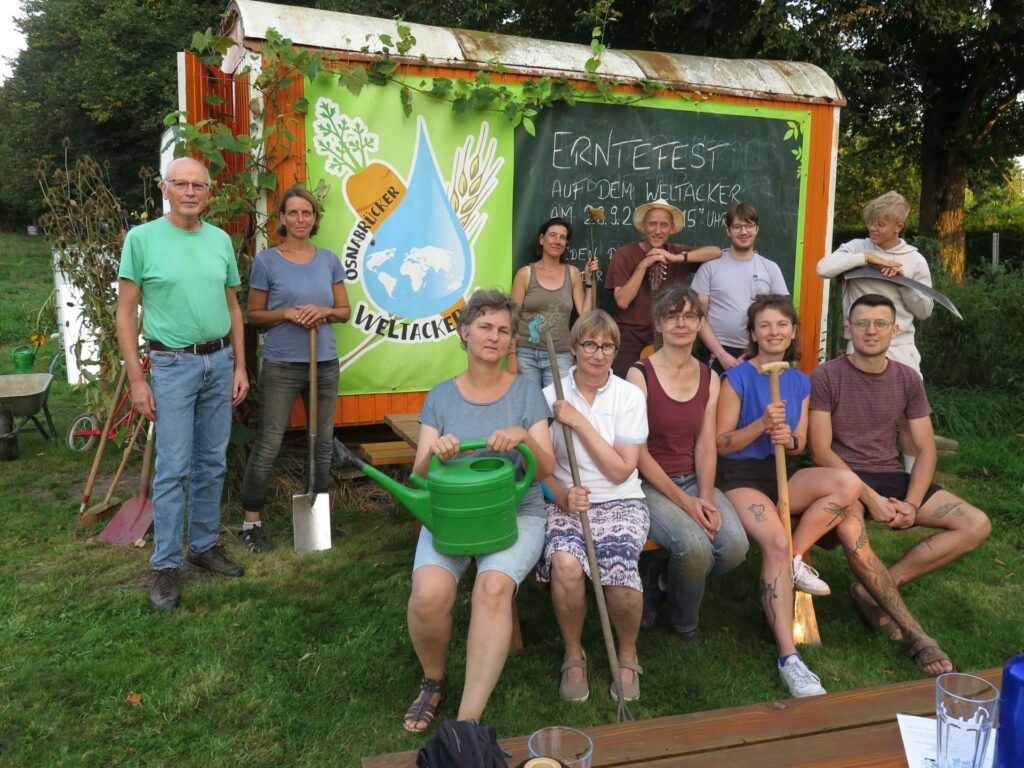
(673, 425)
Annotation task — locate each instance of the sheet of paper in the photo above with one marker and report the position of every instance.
(919, 737)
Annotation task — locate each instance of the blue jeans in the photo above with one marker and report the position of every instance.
(693, 558)
(280, 384)
(535, 365)
(193, 425)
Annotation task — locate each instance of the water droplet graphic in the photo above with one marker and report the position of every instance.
(420, 262)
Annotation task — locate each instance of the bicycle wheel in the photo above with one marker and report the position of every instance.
(82, 433)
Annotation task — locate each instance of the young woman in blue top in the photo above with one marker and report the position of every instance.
(749, 428)
(293, 288)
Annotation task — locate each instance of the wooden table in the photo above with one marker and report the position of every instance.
(405, 425)
(853, 729)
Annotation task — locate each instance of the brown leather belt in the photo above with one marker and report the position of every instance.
(202, 348)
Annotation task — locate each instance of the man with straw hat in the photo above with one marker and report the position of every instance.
(638, 270)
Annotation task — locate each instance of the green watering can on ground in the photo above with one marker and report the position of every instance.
(468, 504)
(24, 358)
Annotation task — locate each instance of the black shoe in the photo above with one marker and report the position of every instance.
(692, 637)
(213, 560)
(166, 589)
(654, 595)
(256, 540)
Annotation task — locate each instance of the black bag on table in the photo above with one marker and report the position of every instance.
(462, 744)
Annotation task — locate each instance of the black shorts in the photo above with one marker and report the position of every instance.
(894, 484)
(758, 474)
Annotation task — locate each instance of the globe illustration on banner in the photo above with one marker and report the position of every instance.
(419, 263)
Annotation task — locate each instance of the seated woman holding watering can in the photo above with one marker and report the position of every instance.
(295, 289)
(608, 419)
(485, 402)
(749, 427)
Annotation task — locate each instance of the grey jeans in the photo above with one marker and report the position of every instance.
(693, 557)
(280, 384)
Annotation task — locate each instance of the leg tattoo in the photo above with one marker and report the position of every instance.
(838, 512)
(769, 594)
(758, 512)
(952, 506)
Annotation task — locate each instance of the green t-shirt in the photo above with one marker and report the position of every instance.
(182, 277)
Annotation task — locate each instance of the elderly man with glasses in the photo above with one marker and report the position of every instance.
(856, 402)
(184, 272)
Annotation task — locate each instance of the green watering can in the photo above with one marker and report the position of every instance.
(24, 358)
(469, 503)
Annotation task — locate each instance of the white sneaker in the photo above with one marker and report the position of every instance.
(799, 679)
(806, 579)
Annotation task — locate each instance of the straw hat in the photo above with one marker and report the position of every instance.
(660, 204)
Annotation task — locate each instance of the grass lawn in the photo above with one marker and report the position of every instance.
(305, 661)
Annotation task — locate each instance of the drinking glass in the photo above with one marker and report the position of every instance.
(965, 709)
(573, 748)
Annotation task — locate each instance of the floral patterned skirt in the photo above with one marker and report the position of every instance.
(619, 528)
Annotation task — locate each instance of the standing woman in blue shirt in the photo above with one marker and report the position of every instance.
(293, 289)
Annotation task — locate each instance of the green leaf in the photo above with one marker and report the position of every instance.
(354, 79)
(529, 126)
(301, 105)
(788, 135)
(228, 142)
(266, 180)
(406, 96)
(460, 105)
(442, 87)
(314, 68)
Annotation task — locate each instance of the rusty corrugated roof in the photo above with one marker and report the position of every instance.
(348, 33)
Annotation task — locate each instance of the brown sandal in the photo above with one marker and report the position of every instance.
(422, 710)
(925, 651)
(876, 617)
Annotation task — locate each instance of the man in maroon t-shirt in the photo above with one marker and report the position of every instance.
(856, 403)
(638, 270)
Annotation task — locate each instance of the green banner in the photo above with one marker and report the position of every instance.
(417, 208)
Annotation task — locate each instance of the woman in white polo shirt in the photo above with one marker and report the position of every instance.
(608, 419)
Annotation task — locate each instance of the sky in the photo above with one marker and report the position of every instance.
(11, 40)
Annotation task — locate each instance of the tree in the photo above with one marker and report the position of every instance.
(945, 79)
(100, 71)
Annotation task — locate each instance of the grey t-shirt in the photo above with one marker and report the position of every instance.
(290, 285)
(731, 285)
(523, 405)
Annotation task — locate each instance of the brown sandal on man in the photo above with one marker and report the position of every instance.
(424, 709)
(876, 617)
(925, 651)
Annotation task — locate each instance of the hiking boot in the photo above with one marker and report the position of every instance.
(654, 596)
(166, 589)
(213, 560)
(256, 540)
(799, 679)
(690, 636)
(806, 579)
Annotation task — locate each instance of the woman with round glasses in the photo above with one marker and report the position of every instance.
(547, 291)
(608, 421)
(294, 288)
(690, 518)
(749, 427)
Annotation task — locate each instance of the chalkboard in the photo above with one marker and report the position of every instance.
(594, 163)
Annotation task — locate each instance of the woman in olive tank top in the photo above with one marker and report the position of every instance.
(547, 291)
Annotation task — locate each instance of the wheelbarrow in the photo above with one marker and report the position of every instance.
(23, 396)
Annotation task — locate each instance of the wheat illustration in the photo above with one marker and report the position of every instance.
(474, 177)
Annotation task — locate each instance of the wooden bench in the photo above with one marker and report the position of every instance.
(382, 454)
(852, 729)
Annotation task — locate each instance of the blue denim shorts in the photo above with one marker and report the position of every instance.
(516, 561)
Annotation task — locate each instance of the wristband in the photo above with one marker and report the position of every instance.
(915, 506)
(796, 442)
(686, 257)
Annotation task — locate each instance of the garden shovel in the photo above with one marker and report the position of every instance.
(311, 511)
(110, 501)
(133, 519)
